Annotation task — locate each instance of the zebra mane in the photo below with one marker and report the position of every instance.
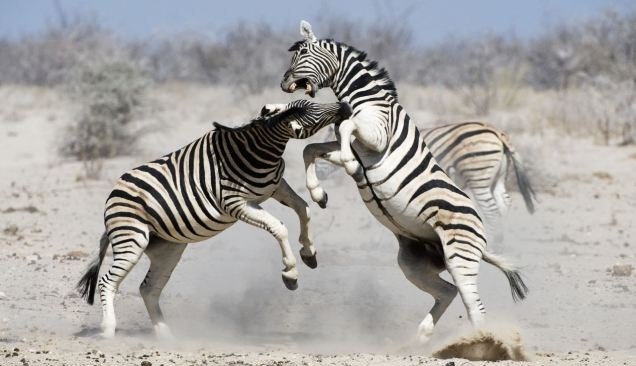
(247, 126)
(267, 121)
(296, 46)
(379, 74)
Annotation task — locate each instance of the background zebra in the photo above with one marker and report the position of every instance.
(477, 157)
(198, 191)
(435, 222)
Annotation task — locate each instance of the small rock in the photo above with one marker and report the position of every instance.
(29, 209)
(76, 255)
(2, 295)
(10, 230)
(146, 363)
(621, 270)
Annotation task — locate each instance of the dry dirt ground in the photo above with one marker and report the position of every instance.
(225, 301)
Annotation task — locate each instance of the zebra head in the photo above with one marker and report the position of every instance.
(312, 67)
(305, 118)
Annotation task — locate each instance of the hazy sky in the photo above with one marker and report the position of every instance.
(431, 20)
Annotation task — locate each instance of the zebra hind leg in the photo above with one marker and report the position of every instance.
(421, 263)
(498, 187)
(502, 201)
(502, 198)
(164, 257)
(489, 211)
(462, 262)
(128, 243)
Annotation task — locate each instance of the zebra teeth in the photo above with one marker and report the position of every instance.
(292, 87)
(308, 89)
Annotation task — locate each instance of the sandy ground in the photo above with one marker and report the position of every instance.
(225, 301)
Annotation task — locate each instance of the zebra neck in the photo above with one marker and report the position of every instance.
(355, 84)
(260, 147)
(359, 80)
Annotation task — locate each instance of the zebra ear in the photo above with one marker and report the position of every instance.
(305, 31)
(269, 110)
(275, 113)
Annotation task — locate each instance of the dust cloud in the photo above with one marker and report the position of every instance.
(485, 345)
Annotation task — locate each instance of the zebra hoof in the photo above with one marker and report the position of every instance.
(323, 201)
(310, 261)
(290, 283)
(107, 334)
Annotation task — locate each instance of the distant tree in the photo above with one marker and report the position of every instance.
(554, 59)
(483, 72)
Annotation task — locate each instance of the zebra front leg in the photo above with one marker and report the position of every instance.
(164, 257)
(421, 268)
(329, 151)
(255, 215)
(288, 197)
(347, 157)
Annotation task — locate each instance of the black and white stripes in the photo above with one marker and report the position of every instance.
(477, 157)
(397, 176)
(198, 191)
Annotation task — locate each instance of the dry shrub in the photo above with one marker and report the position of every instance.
(584, 70)
(109, 95)
(49, 57)
(484, 73)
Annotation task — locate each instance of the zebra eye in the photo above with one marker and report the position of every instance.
(303, 51)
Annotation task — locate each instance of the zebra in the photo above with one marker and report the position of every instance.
(436, 223)
(195, 193)
(476, 156)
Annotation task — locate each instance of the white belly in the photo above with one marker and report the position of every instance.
(390, 209)
(392, 214)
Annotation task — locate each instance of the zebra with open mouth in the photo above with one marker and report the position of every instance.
(435, 222)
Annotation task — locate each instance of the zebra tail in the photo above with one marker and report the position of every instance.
(518, 288)
(529, 196)
(87, 284)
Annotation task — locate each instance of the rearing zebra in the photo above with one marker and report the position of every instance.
(477, 157)
(198, 191)
(400, 182)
